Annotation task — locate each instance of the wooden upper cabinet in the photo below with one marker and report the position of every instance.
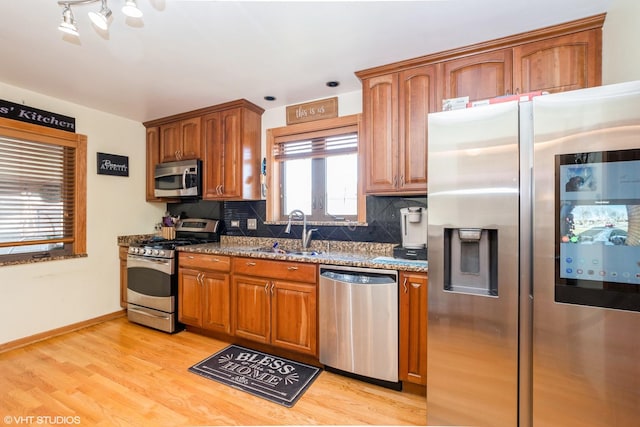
(479, 76)
(417, 98)
(226, 137)
(223, 153)
(394, 138)
(380, 133)
(153, 158)
(232, 155)
(559, 64)
(180, 140)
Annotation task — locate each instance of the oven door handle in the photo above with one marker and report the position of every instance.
(148, 314)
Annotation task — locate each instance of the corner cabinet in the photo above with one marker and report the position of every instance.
(395, 109)
(397, 97)
(275, 303)
(413, 327)
(204, 291)
(226, 137)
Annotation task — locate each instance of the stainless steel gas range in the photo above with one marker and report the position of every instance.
(152, 280)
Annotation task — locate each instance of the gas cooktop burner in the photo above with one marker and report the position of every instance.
(189, 232)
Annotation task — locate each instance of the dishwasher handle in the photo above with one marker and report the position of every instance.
(368, 277)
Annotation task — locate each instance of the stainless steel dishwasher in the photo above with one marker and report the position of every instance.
(358, 323)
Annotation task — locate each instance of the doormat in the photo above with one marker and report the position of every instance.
(273, 378)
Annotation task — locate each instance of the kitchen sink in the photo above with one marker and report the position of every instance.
(269, 250)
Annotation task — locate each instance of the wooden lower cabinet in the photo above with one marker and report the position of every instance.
(122, 255)
(413, 327)
(275, 303)
(204, 291)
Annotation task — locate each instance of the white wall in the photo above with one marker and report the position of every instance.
(39, 297)
(348, 103)
(621, 33)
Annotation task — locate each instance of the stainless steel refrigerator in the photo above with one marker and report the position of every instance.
(534, 262)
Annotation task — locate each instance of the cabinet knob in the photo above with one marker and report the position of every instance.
(415, 285)
(292, 268)
(273, 285)
(251, 264)
(404, 284)
(266, 288)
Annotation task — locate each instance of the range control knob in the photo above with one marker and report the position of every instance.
(156, 252)
(162, 253)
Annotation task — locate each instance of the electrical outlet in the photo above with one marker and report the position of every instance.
(235, 223)
(252, 224)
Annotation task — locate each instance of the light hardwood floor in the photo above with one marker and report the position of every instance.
(117, 373)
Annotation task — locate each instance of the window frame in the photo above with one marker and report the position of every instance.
(26, 131)
(274, 214)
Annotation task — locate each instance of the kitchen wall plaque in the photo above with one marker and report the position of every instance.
(314, 110)
(24, 113)
(113, 164)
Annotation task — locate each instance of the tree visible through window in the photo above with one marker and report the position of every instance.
(42, 189)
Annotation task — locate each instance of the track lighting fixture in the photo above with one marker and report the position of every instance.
(100, 18)
(68, 24)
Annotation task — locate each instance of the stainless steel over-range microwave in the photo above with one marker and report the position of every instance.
(178, 179)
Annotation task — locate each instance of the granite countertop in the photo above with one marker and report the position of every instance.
(356, 254)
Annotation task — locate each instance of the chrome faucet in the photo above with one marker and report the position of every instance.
(306, 235)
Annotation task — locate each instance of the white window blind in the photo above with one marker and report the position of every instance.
(37, 195)
(337, 141)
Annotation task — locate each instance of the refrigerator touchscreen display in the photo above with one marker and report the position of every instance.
(598, 229)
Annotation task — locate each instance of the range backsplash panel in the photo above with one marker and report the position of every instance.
(383, 219)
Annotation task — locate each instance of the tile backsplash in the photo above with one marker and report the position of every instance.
(383, 219)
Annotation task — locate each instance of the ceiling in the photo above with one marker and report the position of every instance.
(187, 54)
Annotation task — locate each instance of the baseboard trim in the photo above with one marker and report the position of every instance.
(12, 345)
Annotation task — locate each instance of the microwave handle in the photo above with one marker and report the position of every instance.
(184, 179)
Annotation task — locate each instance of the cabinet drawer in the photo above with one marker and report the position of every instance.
(283, 270)
(204, 261)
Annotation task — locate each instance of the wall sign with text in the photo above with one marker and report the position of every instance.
(315, 110)
(112, 164)
(24, 113)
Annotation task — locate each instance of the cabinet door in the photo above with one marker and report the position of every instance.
(191, 137)
(480, 76)
(170, 142)
(122, 256)
(213, 156)
(153, 158)
(417, 98)
(293, 317)
(189, 297)
(380, 133)
(217, 301)
(559, 64)
(252, 307)
(413, 327)
(231, 153)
